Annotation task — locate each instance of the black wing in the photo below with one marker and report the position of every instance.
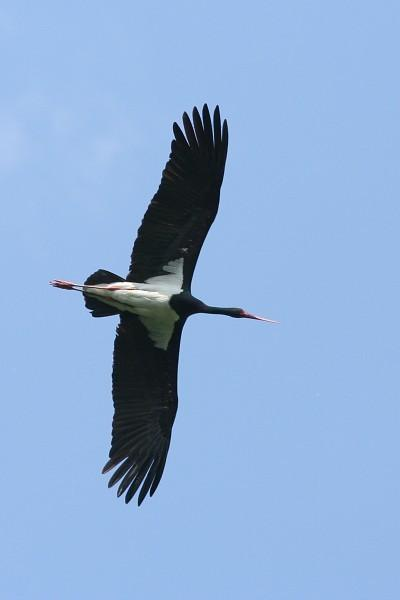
(186, 203)
(145, 402)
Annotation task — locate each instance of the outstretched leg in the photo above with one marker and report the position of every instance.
(66, 285)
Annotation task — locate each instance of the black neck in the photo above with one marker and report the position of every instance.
(185, 305)
(219, 310)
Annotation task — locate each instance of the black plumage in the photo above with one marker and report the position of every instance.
(174, 226)
(155, 300)
(186, 203)
(145, 401)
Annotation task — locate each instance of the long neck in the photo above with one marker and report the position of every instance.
(219, 310)
(185, 304)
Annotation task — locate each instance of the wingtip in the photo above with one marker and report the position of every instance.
(107, 467)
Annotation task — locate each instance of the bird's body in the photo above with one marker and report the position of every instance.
(155, 300)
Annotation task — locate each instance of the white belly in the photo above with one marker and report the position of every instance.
(150, 306)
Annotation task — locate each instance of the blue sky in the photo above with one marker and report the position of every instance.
(282, 479)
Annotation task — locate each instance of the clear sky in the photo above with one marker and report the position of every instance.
(282, 481)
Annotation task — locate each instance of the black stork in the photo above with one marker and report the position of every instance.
(155, 300)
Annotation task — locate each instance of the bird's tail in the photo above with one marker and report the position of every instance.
(99, 278)
(96, 306)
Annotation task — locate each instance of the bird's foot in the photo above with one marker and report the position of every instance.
(65, 285)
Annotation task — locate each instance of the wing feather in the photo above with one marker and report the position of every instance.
(186, 203)
(145, 377)
(145, 403)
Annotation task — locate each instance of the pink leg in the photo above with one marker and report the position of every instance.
(66, 285)
(70, 285)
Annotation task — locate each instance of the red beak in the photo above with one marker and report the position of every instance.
(248, 315)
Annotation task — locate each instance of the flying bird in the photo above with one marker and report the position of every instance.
(155, 299)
